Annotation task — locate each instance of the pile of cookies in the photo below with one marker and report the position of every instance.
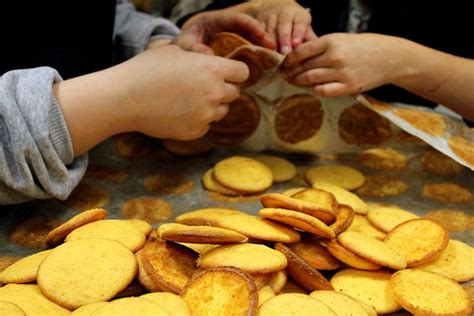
(318, 250)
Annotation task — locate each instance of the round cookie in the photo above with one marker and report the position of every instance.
(294, 304)
(206, 216)
(87, 310)
(298, 118)
(342, 176)
(131, 306)
(264, 294)
(122, 231)
(344, 218)
(340, 303)
(142, 225)
(370, 287)
(372, 249)
(203, 235)
(221, 291)
(343, 196)
(298, 220)
(292, 191)
(278, 280)
(418, 240)
(10, 309)
(437, 163)
(29, 298)
(315, 255)
(170, 302)
(348, 257)
(258, 228)
(24, 270)
(385, 218)
(383, 159)
(425, 293)
(209, 183)
(452, 220)
(455, 262)
(142, 275)
(243, 174)
(57, 235)
(362, 225)
(251, 258)
(86, 271)
(282, 169)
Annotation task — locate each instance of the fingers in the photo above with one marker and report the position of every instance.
(202, 49)
(234, 71)
(231, 92)
(271, 27)
(299, 31)
(221, 112)
(315, 76)
(305, 51)
(331, 89)
(285, 25)
(312, 63)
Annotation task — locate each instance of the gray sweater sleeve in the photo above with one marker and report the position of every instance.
(36, 154)
(133, 29)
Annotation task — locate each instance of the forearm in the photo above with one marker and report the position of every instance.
(437, 76)
(92, 106)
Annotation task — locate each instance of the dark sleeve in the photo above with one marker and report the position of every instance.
(214, 5)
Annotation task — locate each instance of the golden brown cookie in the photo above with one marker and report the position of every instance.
(211, 184)
(315, 254)
(57, 235)
(455, 262)
(383, 159)
(224, 43)
(344, 217)
(370, 287)
(258, 228)
(463, 148)
(143, 277)
(342, 176)
(372, 249)
(348, 257)
(307, 276)
(149, 209)
(278, 280)
(298, 117)
(165, 184)
(340, 303)
(298, 220)
(10, 309)
(85, 271)
(251, 258)
(239, 123)
(428, 122)
(282, 169)
(88, 310)
(294, 304)
(24, 270)
(418, 240)
(243, 174)
(32, 231)
(106, 173)
(264, 294)
(292, 191)
(447, 193)
(343, 196)
(122, 231)
(170, 302)
(169, 265)
(203, 235)
(261, 279)
(206, 216)
(6, 261)
(323, 211)
(452, 220)
(221, 291)
(437, 163)
(425, 293)
(129, 306)
(382, 186)
(142, 225)
(188, 148)
(324, 199)
(291, 286)
(385, 218)
(86, 196)
(29, 298)
(362, 225)
(359, 125)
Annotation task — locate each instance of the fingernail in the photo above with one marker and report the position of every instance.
(285, 50)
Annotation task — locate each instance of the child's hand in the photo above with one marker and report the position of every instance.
(343, 63)
(287, 23)
(176, 94)
(196, 35)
